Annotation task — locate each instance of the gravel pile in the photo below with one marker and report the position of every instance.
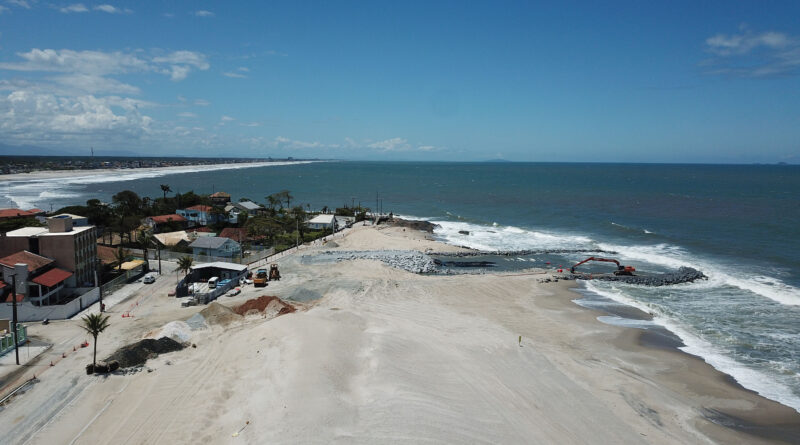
(407, 260)
(179, 331)
(138, 353)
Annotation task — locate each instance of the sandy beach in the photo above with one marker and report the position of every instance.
(56, 174)
(387, 356)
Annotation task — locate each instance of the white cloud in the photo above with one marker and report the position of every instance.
(20, 3)
(250, 124)
(283, 142)
(112, 9)
(187, 114)
(3, 9)
(227, 119)
(234, 75)
(181, 63)
(76, 7)
(203, 13)
(392, 144)
(751, 54)
(93, 84)
(202, 102)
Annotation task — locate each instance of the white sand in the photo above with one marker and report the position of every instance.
(387, 356)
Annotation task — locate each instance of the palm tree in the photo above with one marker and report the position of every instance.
(95, 324)
(185, 263)
(120, 255)
(145, 240)
(165, 188)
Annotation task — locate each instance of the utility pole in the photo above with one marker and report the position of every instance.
(14, 327)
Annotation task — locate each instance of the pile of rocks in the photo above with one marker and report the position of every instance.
(408, 260)
(682, 275)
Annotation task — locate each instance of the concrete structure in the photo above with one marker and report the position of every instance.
(77, 220)
(227, 273)
(216, 246)
(74, 249)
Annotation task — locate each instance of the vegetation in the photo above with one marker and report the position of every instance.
(10, 224)
(94, 324)
(185, 263)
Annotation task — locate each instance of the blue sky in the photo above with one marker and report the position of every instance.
(584, 81)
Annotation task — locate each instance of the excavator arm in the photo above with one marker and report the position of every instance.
(621, 270)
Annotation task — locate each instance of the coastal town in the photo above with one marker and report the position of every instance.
(10, 165)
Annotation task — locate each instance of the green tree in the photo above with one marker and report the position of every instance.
(165, 188)
(120, 256)
(94, 324)
(185, 263)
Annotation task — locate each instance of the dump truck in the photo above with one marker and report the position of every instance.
(261, 278)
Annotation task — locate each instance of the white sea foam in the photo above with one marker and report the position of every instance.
(747, 377)
(499, 237)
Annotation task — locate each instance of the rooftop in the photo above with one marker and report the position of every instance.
(322, 219)
(43, 231)
(52, 277)
(200, 208)
(210, 242)
(221, 195)
(250, 205)
(14, 213)
(33, 261)
(160, 219)
(221, 265)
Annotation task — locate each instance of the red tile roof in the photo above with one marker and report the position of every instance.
(31, 259)
(18, 213)
(200, 208)
(221, 195)
(52, 277)
(160, 219)
(237, 234)
(199, 229)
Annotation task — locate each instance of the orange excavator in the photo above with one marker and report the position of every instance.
(621, 270)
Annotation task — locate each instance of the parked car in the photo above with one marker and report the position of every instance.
(150, 278)
(234, 292)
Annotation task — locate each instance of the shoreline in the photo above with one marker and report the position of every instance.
(40, 175)
(384, 355)
(765, 418)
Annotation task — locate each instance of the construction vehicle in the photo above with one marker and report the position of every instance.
(261, 278)
(621, 270)
(273, 272)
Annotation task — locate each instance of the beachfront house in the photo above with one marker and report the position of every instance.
(39, 282)
(200, 215)
(220, 198)
(216, 246)
(322, 221)
(160, 223)
(252, 208)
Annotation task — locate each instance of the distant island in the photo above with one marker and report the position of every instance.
(27, 164)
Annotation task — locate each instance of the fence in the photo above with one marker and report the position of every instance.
(167, 255)
(27, 311)
(123, 279)
(7, 340)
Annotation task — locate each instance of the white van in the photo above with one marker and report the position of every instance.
(150, 278)
(212, 282)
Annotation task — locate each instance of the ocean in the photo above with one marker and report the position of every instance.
(739, 224)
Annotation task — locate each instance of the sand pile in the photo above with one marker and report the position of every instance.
(216, 313)
(179, 331)
(269, 305)
(138, 353)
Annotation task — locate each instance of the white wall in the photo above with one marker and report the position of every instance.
(28, 312)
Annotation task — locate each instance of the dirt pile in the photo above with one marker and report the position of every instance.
(138, 353)
(218, 314)
(267, 304)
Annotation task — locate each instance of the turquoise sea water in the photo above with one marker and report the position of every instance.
(738, 224)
